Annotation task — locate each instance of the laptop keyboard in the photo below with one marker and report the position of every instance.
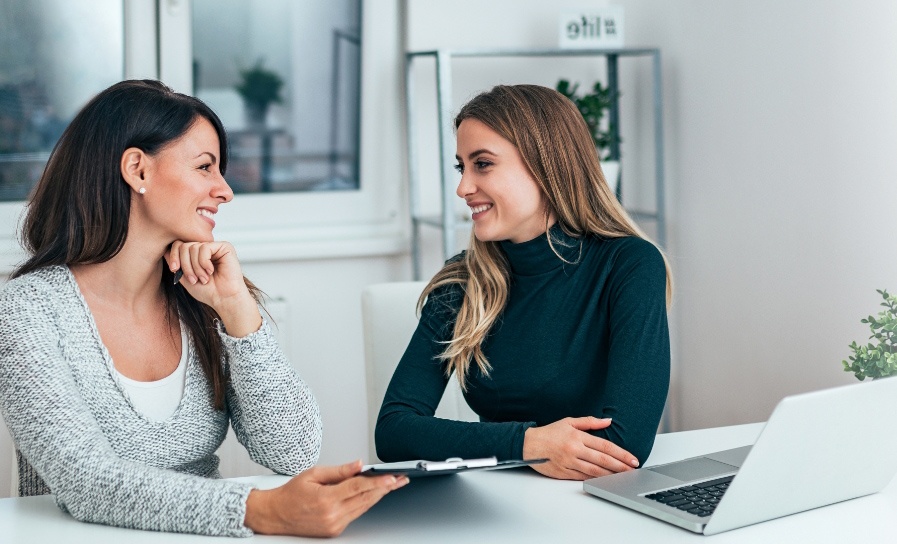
(698, 499)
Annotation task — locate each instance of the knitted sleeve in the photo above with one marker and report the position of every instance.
(273, 412)
(56, 431)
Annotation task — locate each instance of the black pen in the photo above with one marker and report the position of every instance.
(178, 275)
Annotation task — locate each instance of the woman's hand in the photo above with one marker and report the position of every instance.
(321, 501)
(574, 454)
(212, 275)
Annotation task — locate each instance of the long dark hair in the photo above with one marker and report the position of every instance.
(78, 212)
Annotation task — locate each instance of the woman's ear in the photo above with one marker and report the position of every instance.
(134, 167)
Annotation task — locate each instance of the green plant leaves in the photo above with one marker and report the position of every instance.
(877, 360)
(593, 107)
(259, 85)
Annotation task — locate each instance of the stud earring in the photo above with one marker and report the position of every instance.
(142, 190)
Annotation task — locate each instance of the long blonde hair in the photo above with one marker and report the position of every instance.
(559, 152)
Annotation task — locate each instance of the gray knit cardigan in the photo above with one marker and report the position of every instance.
(78, 436)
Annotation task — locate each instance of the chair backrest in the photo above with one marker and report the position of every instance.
(14, 475)
(390, 318)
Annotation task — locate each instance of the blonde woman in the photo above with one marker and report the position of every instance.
(554, 320)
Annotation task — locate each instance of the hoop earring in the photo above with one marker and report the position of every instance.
(142, 190)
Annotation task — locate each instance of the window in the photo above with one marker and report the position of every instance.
(155, 41)
(44, 79)
(284, 78)
(283, 225)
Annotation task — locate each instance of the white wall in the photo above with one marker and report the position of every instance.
(782, 129)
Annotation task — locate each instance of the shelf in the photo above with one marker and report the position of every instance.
(462, 222)
(622, 52)
(436, 221)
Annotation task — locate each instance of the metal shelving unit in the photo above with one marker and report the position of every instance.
(449, 222)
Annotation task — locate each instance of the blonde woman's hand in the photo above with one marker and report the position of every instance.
(213, 276)
(574, 454)
(321, 501)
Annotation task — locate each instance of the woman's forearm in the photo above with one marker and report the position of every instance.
(273, 412)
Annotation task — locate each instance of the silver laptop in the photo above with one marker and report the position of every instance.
(816, 449)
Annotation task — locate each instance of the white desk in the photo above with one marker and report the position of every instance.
(512, 506)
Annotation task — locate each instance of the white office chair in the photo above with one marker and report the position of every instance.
(14, 475)
(389, 315)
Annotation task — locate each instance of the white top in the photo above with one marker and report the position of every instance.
(159, 399)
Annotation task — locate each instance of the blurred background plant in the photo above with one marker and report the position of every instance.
(877, 360)
(259, 88)
(594, 106)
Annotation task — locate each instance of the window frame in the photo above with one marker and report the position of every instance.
(369, 221)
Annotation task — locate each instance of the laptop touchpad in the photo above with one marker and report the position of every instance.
(694, 469)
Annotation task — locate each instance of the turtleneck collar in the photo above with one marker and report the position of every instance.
(536, 256)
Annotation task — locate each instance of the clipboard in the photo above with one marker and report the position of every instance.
(453, 465)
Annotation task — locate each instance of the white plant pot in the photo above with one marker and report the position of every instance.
(611, 171)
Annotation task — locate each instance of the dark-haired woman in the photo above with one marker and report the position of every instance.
(554, 319)
(129, 340)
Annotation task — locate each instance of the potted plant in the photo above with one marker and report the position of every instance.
(259, 88)
(593, 106)
(877, 360)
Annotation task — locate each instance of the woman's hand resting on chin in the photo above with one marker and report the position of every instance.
(213, 276)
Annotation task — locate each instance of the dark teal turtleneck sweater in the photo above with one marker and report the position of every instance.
(583, 339)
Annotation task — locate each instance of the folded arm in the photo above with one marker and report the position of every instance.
(638, 375)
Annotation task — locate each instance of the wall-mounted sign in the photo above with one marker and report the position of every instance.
(600, 28)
